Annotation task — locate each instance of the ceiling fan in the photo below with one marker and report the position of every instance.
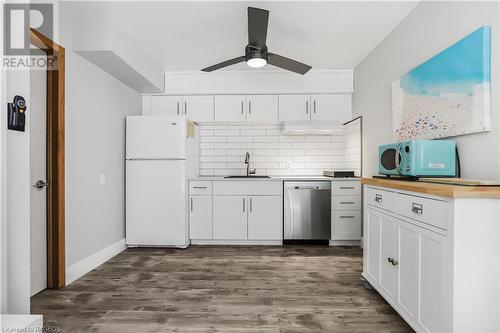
(256, 54)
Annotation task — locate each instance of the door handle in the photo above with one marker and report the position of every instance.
(243, 205)
(307, 107)
(191, 204)
(185, 108)
(249, 107)
(250, 205)
(314, 105)
(242, 106)
(177, 108)
(393, 261)
(40, 184)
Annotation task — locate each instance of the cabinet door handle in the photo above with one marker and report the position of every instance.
(250, 205)
(177, 108)
(242, 106)
(378, 198)
(185, 108)
(314, 105)
(347, 202)
(200, 187)
(417, 208)
(307, 107)
(393, 261)
(347, 216)
(191, 204)
(249, 107)
(347, 187)
(243, 205)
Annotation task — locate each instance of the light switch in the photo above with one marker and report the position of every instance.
(102, 179)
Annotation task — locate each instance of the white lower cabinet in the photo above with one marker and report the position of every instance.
(346, 210)
(200, 217)
(265, 217)
(388, 256)
(230, 217)
(405, 263)
(236, 211)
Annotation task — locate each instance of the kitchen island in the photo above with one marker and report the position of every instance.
(433, 252)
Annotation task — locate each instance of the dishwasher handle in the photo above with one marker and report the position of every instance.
(307, 187)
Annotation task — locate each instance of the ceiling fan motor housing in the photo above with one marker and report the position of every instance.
(252, 52)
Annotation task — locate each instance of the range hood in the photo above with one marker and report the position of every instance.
(310, 128)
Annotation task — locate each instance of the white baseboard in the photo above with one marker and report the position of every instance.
(235, 242)
(86, 265)
(345, 243)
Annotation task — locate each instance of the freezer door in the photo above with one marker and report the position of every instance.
(156, 137)
(156, 203)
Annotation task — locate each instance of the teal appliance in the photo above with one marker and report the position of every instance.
(419, 158)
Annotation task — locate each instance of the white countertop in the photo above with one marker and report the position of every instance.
(274, 178)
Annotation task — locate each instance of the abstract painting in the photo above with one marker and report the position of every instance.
(448, 95)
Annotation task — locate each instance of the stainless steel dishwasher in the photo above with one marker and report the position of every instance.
(307, 210)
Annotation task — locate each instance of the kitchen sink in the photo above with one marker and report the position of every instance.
(253, 176)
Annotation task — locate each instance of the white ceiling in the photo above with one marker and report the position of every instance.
(185, 36)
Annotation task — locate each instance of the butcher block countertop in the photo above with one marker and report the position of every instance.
(443, 190)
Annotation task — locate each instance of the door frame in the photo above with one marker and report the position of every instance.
(56, 259)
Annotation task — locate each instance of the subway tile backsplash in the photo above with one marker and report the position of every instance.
(223, 148)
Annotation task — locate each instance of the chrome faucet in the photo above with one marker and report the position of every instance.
(247, 162)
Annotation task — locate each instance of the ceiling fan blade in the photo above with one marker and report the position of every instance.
(287, 63)
(257, 26)
(224, 64)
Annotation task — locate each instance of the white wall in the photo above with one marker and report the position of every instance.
(428, 29)
(352, 146)
(18, 201)
(96, 106)
(14, 205)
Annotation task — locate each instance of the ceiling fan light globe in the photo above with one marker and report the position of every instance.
(256, 62)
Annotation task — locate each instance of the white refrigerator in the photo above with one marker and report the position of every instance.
(156, 213)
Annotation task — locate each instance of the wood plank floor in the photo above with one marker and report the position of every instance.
(222, 289)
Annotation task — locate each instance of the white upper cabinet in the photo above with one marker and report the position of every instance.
(262, 108)
(230, 108)
(331, 107)
(294, 107)
(166, 105)
(253, 108)
(195, 108)
(199, 108)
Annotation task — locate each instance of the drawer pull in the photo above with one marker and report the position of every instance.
(378, 198)
(417, 208)
(347, 216)
(347, 202)
(200, 187)
(347, 187)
